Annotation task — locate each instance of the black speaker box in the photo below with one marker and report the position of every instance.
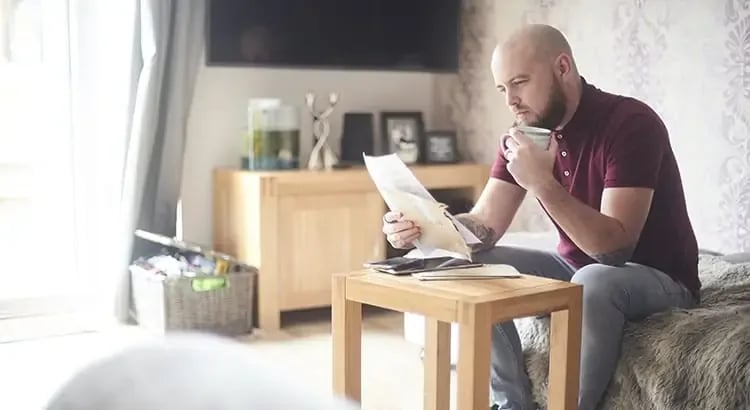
(357, 137)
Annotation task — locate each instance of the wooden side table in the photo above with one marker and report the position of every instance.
(475, 305)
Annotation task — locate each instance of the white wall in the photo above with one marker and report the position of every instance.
(218, 119)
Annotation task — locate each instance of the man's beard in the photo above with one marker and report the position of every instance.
(553, 113)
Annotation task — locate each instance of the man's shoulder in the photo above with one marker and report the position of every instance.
(622, 107)
(622, 118)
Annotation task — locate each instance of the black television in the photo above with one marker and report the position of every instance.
(404, 35)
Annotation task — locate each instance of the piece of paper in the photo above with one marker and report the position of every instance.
(402, 192)
(480, 272)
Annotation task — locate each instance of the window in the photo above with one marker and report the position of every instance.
(36, 175)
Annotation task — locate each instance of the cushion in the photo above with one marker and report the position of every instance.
(678, 359)
(741, 257)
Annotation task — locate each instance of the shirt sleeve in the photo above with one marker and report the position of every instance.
(499, 169)
(635, 156)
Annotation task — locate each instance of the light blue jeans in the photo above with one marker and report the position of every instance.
(611, 295)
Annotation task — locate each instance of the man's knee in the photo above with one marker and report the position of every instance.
(601, 283)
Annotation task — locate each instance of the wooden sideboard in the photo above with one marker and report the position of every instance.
(299, 227)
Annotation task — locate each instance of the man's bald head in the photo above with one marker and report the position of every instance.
(541, 42)
(535, 69)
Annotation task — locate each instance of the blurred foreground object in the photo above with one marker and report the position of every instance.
(190, 372)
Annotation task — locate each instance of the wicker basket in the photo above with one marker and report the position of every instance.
(162, 304)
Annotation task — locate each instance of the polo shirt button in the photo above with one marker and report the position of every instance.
(566, 173)
(564, 153)
(559, 136)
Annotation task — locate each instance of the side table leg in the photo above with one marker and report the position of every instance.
(474, 357)
(565, 355)
(437, 376)
(346, 332)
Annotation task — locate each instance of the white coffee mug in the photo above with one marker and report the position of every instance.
(540, 136)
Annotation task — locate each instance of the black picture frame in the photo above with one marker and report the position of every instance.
(408, 124)
(440, 147)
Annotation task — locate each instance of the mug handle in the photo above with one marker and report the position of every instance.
(504, 138)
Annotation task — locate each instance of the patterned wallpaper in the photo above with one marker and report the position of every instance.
(688, 59)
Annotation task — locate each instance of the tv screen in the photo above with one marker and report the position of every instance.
(418, 35)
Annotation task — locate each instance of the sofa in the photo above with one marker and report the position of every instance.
(679, 359)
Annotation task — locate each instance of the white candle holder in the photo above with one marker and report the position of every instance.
(321, 156)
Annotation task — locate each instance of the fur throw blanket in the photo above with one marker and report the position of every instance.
(679, 359)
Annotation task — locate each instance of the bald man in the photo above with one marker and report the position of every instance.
(609, 181)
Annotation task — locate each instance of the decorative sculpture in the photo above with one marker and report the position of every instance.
(321, 156)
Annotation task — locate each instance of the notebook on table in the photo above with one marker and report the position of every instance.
(405, 266)
(475, 272)
(442, 268)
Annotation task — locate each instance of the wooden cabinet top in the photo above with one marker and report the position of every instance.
(355, 179)
(427, 174)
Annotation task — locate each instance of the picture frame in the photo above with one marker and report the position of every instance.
(402, 133)
(441, 147)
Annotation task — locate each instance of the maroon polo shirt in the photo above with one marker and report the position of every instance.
(617, 141)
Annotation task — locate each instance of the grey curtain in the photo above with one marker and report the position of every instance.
(169, 45)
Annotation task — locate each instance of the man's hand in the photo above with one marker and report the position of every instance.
(399, 232)
(530, 165)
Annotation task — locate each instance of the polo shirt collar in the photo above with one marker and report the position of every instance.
(585, 109)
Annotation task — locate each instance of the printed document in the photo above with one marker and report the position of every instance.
(442, 234)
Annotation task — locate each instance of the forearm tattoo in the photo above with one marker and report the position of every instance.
(484, 233)
(615, 258)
